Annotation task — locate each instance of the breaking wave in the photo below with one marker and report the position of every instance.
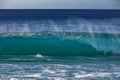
(60, 44)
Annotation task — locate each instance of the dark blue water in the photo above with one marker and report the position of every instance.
(59, 44)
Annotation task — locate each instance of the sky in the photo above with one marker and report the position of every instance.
(59, 4)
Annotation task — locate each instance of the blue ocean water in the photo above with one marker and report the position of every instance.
(59, 44)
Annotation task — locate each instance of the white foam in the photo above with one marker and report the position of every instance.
(99, 74)
(57, 78)
(62, 65)
(117, 74)
(48, 71)
(38, 56)
(14, 79)
(32, 76)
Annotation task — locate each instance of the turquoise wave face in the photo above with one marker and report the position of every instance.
(60, 44)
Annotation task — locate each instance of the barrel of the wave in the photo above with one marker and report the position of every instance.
(49, 45)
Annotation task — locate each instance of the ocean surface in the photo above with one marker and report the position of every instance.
(59, 44)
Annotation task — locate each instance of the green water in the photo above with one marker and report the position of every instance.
(59, 44)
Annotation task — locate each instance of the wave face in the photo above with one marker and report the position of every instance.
(60, 44)
(59, 32)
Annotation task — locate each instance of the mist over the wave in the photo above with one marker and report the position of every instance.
(70, 25)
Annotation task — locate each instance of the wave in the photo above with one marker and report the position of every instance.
(74, 35)
(60, 44)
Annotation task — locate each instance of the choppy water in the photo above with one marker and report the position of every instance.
(61, 68)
